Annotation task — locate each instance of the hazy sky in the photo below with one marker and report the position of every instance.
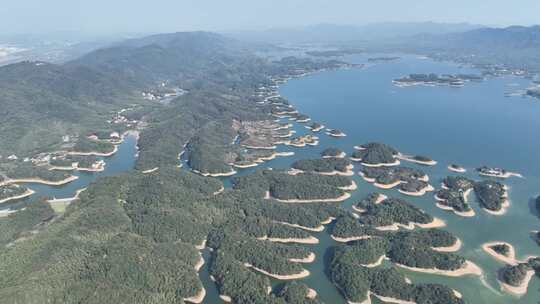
(23, 16)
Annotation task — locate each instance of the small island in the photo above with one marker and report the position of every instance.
(302, 141)
(333, 153)
(383, 59)
(515, 278)
(456, 168)
(358, 271)
(454, 195)
(492, 196)
(501, 251)
(436, 80)
(391, 214)
(410, 181)
(418, 159)
(315, 127)
(325, 166)
(375, 155)
(335, 133)
(496, 172)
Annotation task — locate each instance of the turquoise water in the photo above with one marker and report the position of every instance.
(473, 126)
(121, 161)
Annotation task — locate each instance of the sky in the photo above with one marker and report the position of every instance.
(116, 16)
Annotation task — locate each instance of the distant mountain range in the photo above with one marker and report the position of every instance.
(330, 33)
(516, 47)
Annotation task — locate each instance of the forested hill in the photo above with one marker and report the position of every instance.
(42, 102)
(516, 47)
(185, 57)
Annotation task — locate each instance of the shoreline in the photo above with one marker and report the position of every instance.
(522, 288)
(340, 199)
(350, 239)
(457, 170)
(224, 174)
(468, 268)
(39, 181)
(307, 260)
(416, 161)
(377, 263)
(305, 273)
(150, 170)
(307, 241)
(453, 248)
(510, 259)
(319, 228)
(436, 223)
(504, 207)
(95, 153)
(504, 176)
(378, 165)
(26, 194)
(198, 298)
(421, 192)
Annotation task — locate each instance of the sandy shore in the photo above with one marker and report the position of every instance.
(349, 172)
(395, 163)
(224, 174)
(469, 268)
(422, 192)
(436, 223)
(311, 294)
(316, 229)
(353, 186)
(341, 155)
(466, 194)
(367, 179)
(94, 153)
(150, 170)
(420, 162)
(315, 129)
(392, 300)
(342, 198)
(510, 259)
(336, 135)
(376, 263)
(199, 264)
(454, 248)
(309, 240)
(260, 147)
(387, 186)
(504, 208)
(457, 170)
(201, 246)
(27, 193)
(305, 273)
(309, 259)
(522, 288)
(350, 239)
(198, 298)
(39, 181)
(221, 190)
(505, 175)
